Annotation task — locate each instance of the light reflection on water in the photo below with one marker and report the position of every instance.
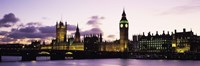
(44, 61)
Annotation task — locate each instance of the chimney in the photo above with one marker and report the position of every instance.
(156, 32)
(143, 34)
(163, 32)
(184, 30)
(175, 31)
(149, 34)
(168, 32)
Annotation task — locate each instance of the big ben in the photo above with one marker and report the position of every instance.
(123, 27)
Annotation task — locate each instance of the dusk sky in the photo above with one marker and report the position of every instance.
(24, 20)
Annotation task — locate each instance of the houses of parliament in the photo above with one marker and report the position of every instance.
(92, 41)
(180, 42)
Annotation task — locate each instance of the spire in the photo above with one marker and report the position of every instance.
(77, 28)
(77, 34)
(124, 16)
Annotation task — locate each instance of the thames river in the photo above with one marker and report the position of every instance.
(44, 61)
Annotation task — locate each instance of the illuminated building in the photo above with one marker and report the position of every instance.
(123, 27)
(155, 43)
(61, 31)
(60, 43)
(179, 42)
(185, 42)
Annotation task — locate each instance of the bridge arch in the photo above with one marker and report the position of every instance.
(44, 53)
(69, 53)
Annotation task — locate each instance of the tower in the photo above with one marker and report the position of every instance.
(77, 34)
(123, 27)
(61, 31)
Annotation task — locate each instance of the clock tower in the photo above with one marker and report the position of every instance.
(123, 27)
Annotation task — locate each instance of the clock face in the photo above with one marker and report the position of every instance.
(121, 25)
(126, 25)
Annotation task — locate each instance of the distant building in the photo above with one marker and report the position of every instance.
(155, 43)
(179, 42)
(185, 41)
(92, 42)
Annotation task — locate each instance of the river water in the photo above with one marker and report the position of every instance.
(44, 61)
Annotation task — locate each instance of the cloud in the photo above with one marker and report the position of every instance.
(182, 9)
(35, 30)
(190, 7)
(3, 32)
(92, 31)
(47, 29)
(45, 18)
(8, 20)
(33, 24)
(7, 39)
(30, 29)
(111, 36)
(95, 21)
(71, 27)
(21, 35)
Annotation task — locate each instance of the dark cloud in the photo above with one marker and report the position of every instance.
(3, 32)
(71, 27)
(48, 29)
(7, 39)
(35, 30)
(92, 31)
(30, 29)
(33, 24)
(94, 21)
(20, 35)
(111, 36)
(8, 20)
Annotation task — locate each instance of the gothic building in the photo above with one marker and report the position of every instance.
(77, 35)
(61, 32)
(123, 27)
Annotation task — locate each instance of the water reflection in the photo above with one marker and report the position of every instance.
(101, 62)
